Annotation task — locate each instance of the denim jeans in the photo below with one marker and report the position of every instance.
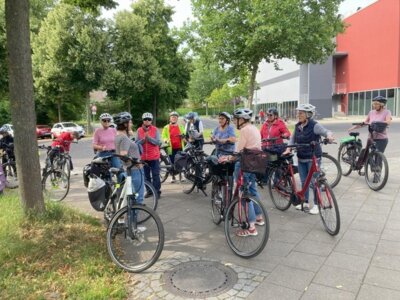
(115, 162)
(304, 168)
(249, 180)
(138, 183)
(152, 173)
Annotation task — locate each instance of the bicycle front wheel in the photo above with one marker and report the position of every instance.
(237, 218)
(280, 189)
(376, 170)
(346, 158)
(140, 250)
(217, 199)
(55, 185)
(331, 169)
(151, 195)
(11, 175)
(165, 167)
(328, 208)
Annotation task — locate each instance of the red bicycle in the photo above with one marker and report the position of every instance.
(284, 192)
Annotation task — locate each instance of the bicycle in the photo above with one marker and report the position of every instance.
(368, 161)
(9, 166)
(284, 192)
(135, 235)
(55, 179)
(100, 167)
(233, 209)
(166, 166)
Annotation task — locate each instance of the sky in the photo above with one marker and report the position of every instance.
(183, 9)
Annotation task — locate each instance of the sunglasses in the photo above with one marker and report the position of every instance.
(106, 120)
(147, 119)
(269, 115)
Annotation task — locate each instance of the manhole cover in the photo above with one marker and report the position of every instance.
(199, 279)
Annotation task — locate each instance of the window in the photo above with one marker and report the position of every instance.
(368, 102)
(350, 105)
(355, 103)
(361, 108)
(390, 101)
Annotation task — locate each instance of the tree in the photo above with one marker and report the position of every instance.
(22, 104)
(242, 33)
(69, 59)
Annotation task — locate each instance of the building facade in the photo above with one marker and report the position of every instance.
(366, 64)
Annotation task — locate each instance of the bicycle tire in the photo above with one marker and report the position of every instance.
(331, 168)
(190, 175)
(55, 185)
(129, 253)
(232, 224)
(280, 189)
(328, 207)
(152, 200)
(66, 166)
(345, 159)
(165, 167)
(11, 176)
(217, 199)
(374, 170)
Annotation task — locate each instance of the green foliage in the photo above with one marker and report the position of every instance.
(69, 60)
(60, 254)
(92, 5)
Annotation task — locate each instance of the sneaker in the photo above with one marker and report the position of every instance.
(305, 205)
(247, 232)
(314, 210)
(141, 229)
(183, 180)
(148, 195)
(173, 180)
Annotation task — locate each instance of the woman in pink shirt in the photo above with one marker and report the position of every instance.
(378, 114)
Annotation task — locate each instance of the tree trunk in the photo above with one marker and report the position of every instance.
(252, 83)
(22, 105)
(155, 110)
(89, 114)
(59, 109)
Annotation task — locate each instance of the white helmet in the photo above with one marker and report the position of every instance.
(105, 116)
(147, 115)
(308, 108)
(244, 113)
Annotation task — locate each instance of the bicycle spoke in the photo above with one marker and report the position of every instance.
(328, 208)
(376, 171)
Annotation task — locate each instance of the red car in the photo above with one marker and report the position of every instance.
(43, 131)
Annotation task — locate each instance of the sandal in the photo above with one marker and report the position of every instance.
(260, 222)
(247, 232)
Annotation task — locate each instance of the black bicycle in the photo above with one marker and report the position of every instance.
(9, 166)
(368, 161)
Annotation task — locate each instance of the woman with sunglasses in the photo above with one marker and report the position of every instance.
(274, 127)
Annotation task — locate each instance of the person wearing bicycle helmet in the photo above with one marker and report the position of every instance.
(149, 137)
(7, 144)
(194, 130)
(224, 135)
(125, 146)
(250, 138)
(379, 113)
(274, 127)
(307, 130)
(172, 135)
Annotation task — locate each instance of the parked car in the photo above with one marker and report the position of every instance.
(9, 128)
(43, 131)
(58, 128)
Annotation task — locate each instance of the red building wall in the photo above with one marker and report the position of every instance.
(372, 42)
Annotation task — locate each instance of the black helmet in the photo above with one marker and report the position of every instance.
(380, 99)
(226, 115)
(273, 111)
(191, 115)
(122, 118)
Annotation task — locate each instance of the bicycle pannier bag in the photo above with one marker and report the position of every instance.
(254, 161)
(97, 191)
(181, 161)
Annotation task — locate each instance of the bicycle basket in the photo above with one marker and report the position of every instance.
(379, 127)
(98, 192)
(181, 161)
(255, 161)
(100, 169)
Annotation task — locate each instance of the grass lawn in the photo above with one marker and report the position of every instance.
(56, 256)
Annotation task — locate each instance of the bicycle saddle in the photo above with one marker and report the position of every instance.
(355, 134)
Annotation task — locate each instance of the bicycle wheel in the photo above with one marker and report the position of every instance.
(140, 252)
(236, 218)
(376, 170)
(346, 157)
(331, 168)
(55, 185)
(190, 175)
(165, 167)
(11, 175)
(328, 208)
(66, 166)
(217, 199)
(151, 196)
(206, 171)
(280, 189)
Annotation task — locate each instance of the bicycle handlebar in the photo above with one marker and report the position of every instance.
(359, 124)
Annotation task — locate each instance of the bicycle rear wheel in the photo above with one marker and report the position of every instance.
(55, 185)
(217, 199)
(9, 169)
(328, 208)
(346, 157)
(151, 196)
(142, 250)
(236, 218)
(280, 189)
(190, 175)
(331, 168)
(165, 167)
(376, 170)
